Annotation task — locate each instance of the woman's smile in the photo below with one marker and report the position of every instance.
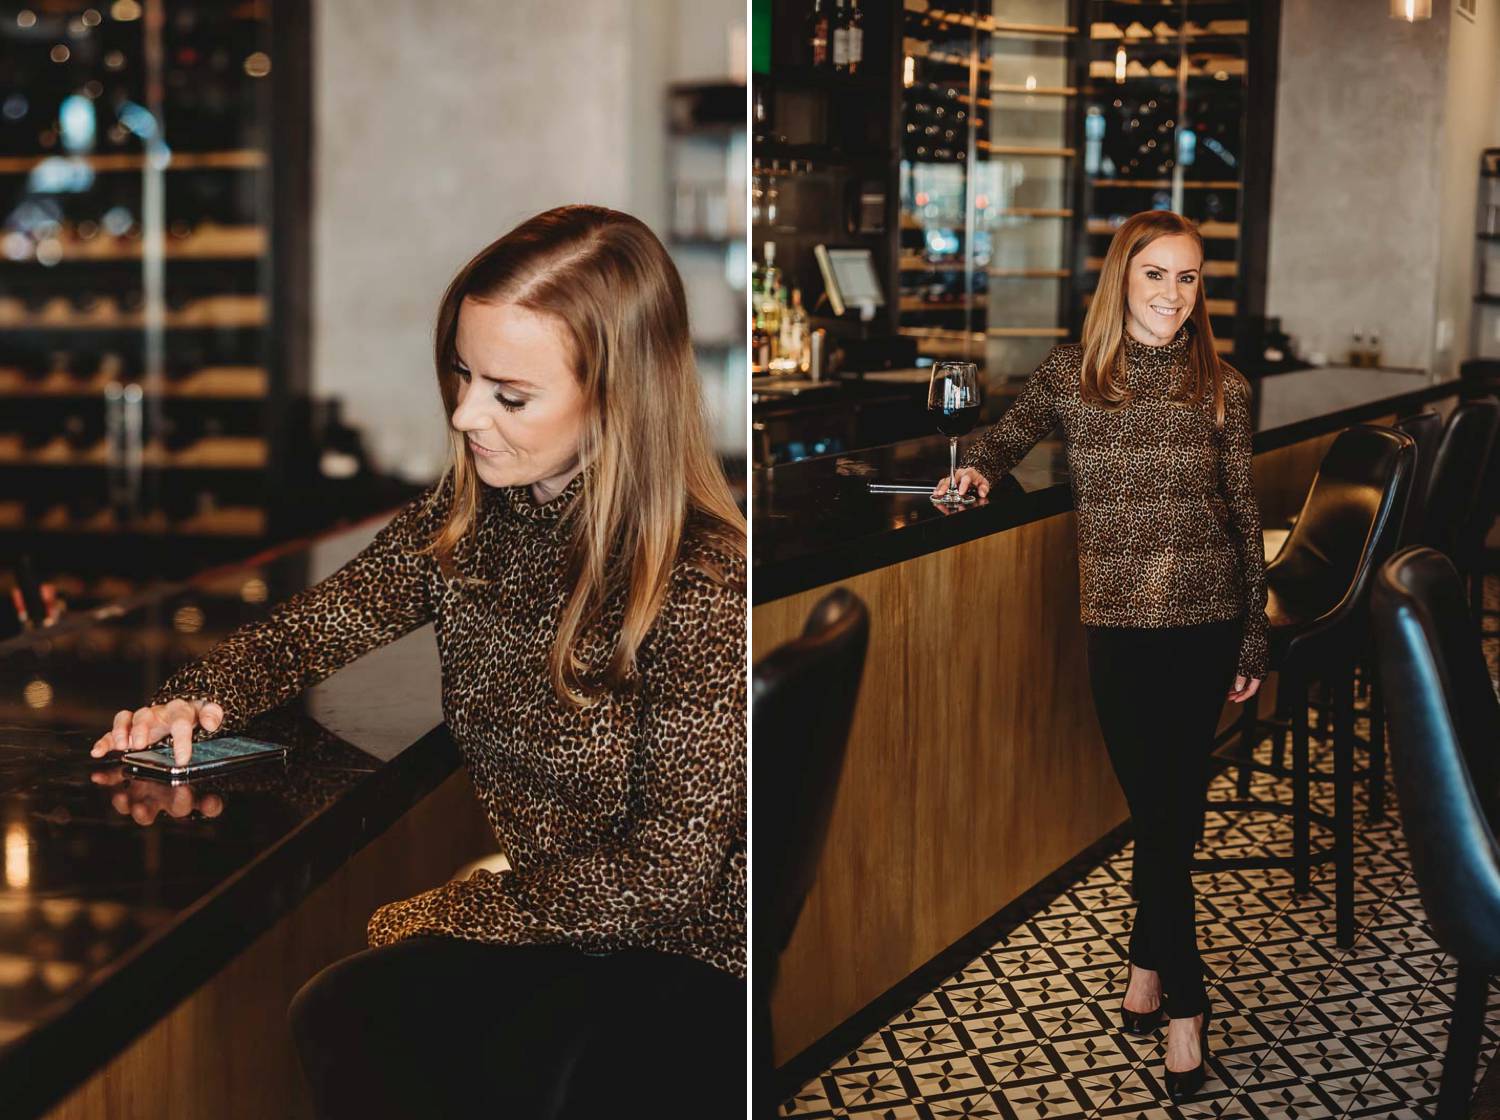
(481, 449)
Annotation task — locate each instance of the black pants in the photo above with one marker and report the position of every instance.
(1158, 693)
(440, 1027)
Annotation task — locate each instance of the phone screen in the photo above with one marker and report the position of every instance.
(211, 754)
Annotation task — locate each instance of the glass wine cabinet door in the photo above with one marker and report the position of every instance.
(142, 359)
(1030, 130)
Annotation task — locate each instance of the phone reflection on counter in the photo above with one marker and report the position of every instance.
(144, 799)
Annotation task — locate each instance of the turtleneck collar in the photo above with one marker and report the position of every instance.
(1137, 351)
(520, 502)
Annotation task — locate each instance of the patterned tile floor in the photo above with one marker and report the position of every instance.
(1302, 1030)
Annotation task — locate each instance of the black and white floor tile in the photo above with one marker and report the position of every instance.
(1302, 1029)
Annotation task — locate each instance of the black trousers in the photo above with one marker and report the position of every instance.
(440, 1027)
(1158, 693)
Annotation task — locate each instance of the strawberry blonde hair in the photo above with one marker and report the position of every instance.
(607, 280)
(1103, 375)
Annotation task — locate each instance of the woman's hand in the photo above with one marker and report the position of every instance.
(1243, 690)
(967, 477)
(137, 730)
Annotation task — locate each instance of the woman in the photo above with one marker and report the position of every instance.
(1172, 576)
(582, 561)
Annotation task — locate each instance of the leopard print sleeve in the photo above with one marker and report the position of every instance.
(1032, 415)
(688, 804)
(378, 596)
(1237, 485)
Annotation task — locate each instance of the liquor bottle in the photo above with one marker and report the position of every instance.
(1357, 350)
(840, 38)
(856, 37)
(817, 35)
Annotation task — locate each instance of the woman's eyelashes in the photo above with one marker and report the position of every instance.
(510, 404)
(1152, 274)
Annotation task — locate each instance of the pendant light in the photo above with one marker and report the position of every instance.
(1411, 10)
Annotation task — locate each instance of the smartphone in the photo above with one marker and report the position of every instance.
(209, 756)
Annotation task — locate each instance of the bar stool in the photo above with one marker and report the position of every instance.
(1426, 427)
(1317, 589)
(1445, 725)
(802, 697)
(1456, 499)
(1430, 433)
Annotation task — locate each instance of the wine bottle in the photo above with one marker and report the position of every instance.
(840, 29)
(856, 37)
(817, 35)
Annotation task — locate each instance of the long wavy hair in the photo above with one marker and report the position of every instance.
(1103, 380)
(609, 282)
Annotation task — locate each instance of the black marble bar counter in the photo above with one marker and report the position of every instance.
(120, 896)
(816, 522)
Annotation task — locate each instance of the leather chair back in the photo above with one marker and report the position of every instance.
(1444, 725)
(1349, 524)
(1461, 461)
(1426, 427)
(803, 696)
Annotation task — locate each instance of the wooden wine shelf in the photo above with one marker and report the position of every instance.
(231, 382)
(938, 334)
(1012, 87)
(1105, 68)
(227, 521)
(1031, 273)
(1219, 231)
(1166, 184)
(1210, 268)
(238, 160)
(1215, 29)
(1030, 212)
(207, 242)
(915, 262)
(1027, 332)
(990, 24)
(1020, 150)
(916, 303)
(208, 453)
(228, 311)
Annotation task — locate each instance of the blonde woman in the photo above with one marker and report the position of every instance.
(583, 563)
(1172, 576)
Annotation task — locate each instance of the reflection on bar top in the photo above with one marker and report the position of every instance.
(815, 522)
(96, 906)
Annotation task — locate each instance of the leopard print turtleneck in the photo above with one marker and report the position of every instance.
(1168, 526)
(624, 822)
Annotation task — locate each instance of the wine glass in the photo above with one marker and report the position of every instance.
(953, 398)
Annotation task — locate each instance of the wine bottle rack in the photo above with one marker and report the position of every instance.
(153, 278)
(989, 156)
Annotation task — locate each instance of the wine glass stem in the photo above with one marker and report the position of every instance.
(953, 465)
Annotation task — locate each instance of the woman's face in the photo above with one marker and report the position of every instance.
(1163, 283)
(519, 405)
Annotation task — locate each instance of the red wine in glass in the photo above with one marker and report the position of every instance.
(953, 400)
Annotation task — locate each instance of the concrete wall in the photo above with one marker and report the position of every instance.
(1356, 194)
(1379, 126)
(437, 128)
(1471, 124)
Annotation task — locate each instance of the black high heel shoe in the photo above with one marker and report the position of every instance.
(1142, 1022)
(1182, 1086)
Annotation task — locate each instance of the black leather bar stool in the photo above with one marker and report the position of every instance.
(1458, 499)
(1317, 606)
(1426, 427)
(1444, 732)
(802, 698)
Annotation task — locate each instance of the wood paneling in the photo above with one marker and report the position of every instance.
(975, 765)
(225, 1051)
